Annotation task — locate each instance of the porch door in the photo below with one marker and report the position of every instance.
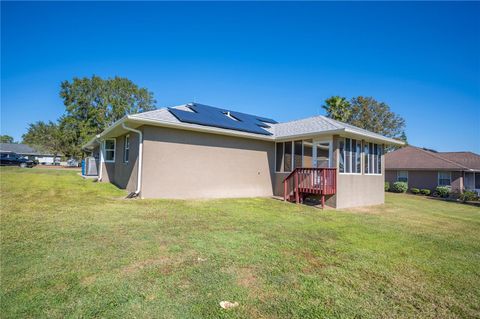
(321, 154)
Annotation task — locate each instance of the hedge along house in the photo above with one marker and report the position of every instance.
(198, 151)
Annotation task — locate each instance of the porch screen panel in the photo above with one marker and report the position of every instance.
(348, 156)
(297, 150)
(307, 153)
(358, 157)
(279, 157)
(323, 153)
(366, 157)
(371, 166)
(379, 159)
(287, 164)
(342, 156)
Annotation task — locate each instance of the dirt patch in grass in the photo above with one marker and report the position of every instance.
(247, 278)
(371, 210)
(87, 281)
(314, 262)
(152, 262)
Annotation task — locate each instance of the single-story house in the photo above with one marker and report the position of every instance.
(424, 168)
(199, 151)
(29, 152)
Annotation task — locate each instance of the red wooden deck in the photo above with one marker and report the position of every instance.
(310, 181)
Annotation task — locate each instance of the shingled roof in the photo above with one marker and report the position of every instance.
(22, 149)
(272, 131)
(311, 125)
(415, 158)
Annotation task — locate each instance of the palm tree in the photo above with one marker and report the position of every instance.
(338, 108)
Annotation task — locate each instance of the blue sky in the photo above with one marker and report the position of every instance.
(280, 60)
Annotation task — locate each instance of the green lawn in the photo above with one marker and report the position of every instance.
(75, 248)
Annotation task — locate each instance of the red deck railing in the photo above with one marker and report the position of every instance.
(310, 181)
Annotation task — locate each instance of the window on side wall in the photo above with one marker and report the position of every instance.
(126, 149)
(444, 178)
(109, 150)
(402, 176)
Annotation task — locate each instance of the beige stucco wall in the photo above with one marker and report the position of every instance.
(125, 173)
(120, 173)
(186, 164)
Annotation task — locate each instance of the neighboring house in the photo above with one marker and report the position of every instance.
(198, 151)
(29, 153)
(423, 168)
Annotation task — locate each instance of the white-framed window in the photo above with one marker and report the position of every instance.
(126, 148)
(109, 150)
(350, 156)
(444, 178)
(402, 176)
(372, 155)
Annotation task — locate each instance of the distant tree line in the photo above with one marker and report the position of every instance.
(7, 139)
(91, 105)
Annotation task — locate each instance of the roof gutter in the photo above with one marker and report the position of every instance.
(140, 156)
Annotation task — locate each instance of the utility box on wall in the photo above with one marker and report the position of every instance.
(91, 166)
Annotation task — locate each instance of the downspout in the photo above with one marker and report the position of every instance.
(100, 167)
(140, 156)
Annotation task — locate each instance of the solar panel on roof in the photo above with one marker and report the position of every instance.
(222, 118)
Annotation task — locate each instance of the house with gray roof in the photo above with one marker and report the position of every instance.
(28, 152)
(425, 168)
(200, 151)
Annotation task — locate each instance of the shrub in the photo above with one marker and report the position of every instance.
(425, 191)
(442, 191)
(387, 186)
(400, 187)
(468, 196)
(454, 194)
(414, 191)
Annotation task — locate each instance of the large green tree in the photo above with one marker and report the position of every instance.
(92, 104)
(366, 113)
(45, 137)
(6, 139)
